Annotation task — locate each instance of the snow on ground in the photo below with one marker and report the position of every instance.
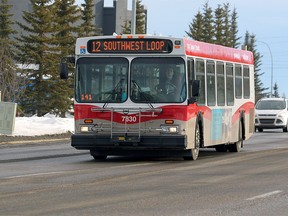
(46, 125)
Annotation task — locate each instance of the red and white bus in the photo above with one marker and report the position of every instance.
(124, 104)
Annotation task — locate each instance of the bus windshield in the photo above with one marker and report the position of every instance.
(158, 80)
(101, 80)
(153, 80)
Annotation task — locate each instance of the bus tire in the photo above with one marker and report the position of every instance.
(236, 147)
(97, 156)
(192, 154)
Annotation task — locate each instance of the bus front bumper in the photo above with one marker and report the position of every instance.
(104, 142)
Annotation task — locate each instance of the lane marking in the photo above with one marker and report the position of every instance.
(60, 172)
(265, 195)
(35, 174)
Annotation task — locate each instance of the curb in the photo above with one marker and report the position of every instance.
(5, 140)
(33, 141)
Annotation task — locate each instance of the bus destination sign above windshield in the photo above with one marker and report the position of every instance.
(143, 45)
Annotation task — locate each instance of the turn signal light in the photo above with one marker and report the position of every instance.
(169, 121)
(88, 121)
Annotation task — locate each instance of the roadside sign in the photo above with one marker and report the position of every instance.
(7, 117)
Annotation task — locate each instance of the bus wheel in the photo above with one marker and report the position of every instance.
(193, 153)
(97, 156)
(236, 147)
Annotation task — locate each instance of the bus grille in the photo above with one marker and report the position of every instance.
(126, 132)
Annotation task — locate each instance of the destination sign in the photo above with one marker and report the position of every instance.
(143, 45)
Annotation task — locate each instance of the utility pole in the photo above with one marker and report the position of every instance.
(133, 21)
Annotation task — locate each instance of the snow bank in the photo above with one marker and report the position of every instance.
(46, 125)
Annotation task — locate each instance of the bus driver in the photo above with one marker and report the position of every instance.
(167, 87)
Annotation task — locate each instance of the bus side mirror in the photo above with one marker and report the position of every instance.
(195, 90)
(64, 66)
(63, 70)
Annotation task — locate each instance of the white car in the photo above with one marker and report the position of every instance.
(271, 113)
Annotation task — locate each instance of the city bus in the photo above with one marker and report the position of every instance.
(124, 105)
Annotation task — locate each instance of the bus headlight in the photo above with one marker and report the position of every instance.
(84, 129)
(169, 129)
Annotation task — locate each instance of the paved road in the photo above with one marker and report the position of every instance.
(55, 179)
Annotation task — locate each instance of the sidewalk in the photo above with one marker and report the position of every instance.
(4, 139)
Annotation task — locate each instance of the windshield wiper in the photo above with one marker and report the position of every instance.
(142, 94)
(113, 92)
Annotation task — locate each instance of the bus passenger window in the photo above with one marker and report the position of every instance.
(229, 85)
(211, 98)
(220, 84)
(238, 81)
(246, 81)
(191, 73)
(200, 75)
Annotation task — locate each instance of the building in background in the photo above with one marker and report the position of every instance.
(108, 19)
(18, 6)
(112, 18)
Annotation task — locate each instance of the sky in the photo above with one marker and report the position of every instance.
(267, 20)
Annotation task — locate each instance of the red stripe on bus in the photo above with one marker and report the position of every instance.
(217, 52)
(175, 112)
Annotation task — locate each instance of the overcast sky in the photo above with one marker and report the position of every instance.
(268, 20)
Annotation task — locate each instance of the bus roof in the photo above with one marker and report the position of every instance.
(218, 52)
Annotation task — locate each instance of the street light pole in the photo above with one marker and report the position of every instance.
(133, 21)
(271, 93)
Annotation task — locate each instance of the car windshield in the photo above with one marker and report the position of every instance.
(270, 105)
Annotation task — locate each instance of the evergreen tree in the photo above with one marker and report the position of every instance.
(234, 39)
(5, 21)
(36, 51)
(196, 28)
(219, 28)
(140, 18)
(126, 28)
(276, 91)
(208, 24)
(226, 25)
(140, 21)
(88, 26)
(219, 25)
(66, 16)
(251, 46)
(9, 81)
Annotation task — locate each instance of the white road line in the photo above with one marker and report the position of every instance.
(265, 195)
(60, 172)
(35, 174)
